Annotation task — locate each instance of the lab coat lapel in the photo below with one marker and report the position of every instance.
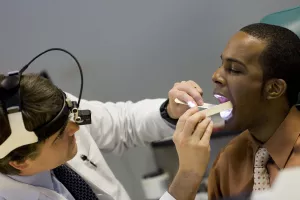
(89, 175)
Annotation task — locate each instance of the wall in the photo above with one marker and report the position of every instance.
(128, 49)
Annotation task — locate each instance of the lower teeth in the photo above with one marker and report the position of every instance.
(227, 114)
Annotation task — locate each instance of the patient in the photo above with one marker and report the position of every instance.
(260, 75)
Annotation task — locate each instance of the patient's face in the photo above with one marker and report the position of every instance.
(240, 80)
(57, 149)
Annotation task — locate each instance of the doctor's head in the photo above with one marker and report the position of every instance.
(259, 74)
(41, 102)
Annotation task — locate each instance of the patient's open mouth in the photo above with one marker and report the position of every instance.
(227, 114)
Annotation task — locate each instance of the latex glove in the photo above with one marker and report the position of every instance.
(186, 91)
(191, 138)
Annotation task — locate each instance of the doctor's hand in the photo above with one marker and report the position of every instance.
(186, 91)
(191, 138)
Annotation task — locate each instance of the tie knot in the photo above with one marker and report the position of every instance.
(261, 158)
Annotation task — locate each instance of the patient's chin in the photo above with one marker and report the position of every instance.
(232, 126)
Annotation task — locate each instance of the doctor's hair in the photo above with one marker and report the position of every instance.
(41, 101)
(281, 57)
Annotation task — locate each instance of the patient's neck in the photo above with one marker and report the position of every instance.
(267, 125)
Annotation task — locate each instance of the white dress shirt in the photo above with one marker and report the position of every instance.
(46, 180)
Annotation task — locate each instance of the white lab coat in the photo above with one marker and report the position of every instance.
(115, 128)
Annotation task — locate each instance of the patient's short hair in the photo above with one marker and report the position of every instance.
(281, 57)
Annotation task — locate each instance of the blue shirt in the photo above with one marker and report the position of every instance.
(46, 180)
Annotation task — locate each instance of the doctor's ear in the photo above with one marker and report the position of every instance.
(274, 88)
(19, 165)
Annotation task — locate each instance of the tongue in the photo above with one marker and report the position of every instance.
(222, 99)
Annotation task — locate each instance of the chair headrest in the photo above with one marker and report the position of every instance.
(289, 18)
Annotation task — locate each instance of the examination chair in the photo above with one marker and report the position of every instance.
(288, 18)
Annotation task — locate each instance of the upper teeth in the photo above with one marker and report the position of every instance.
(221, 98)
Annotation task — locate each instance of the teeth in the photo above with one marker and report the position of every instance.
(217, 96)
(222, 99)
(227, 114)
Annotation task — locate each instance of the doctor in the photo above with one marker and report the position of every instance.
(65, 161)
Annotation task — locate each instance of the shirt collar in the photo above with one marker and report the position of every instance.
(282, 142)
(43, 179)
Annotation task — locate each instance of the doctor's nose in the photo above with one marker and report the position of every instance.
(73, 128)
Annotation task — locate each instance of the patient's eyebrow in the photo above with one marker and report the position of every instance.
(233, 60)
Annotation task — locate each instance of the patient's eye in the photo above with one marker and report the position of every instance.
(232, 70)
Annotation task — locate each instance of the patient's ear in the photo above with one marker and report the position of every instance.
(274, 88)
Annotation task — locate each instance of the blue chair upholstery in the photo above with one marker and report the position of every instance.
(289, 18)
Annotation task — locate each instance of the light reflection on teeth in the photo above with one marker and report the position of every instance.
(217, 96)
(221, 99)
(226, 114)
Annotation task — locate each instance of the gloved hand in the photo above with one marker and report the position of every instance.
(186, 91)
(191, 138)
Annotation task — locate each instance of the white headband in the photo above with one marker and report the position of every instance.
(19, 135)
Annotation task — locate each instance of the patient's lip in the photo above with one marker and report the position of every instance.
(221, 98)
